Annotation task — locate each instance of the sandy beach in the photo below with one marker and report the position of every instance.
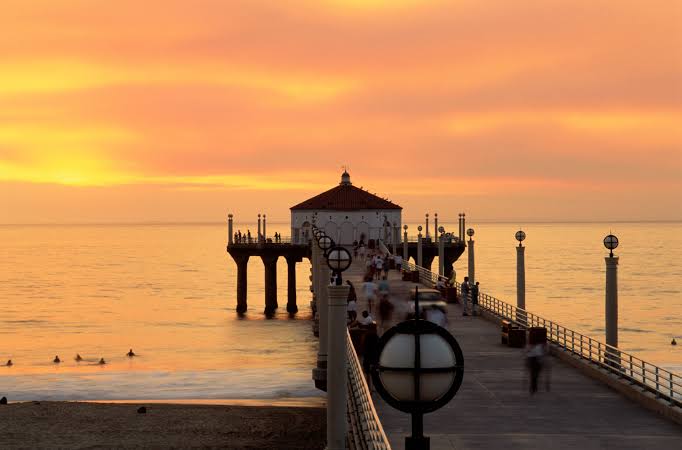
(107, 425)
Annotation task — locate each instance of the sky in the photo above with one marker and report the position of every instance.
(184, 111)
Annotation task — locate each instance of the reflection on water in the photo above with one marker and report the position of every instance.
(168, 292)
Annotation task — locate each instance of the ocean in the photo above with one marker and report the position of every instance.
(169, 293)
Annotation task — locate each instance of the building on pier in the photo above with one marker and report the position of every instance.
(347, 213)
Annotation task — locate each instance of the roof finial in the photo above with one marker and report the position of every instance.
(345, 177)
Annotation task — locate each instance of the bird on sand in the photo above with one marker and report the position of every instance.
(9, 363)
(131, 353)
(56, 360)
(102, 361)
(79, 358)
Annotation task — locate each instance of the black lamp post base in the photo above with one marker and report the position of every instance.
(417, 443)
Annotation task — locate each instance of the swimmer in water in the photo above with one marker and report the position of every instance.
(9, 363)
(56, 360)
(79, 358)
(673, 342)
(130, 354)
(102, 362)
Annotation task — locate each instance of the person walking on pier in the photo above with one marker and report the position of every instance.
(370, 290)
(248, 236)
(465, 296)
(378, 266)
(474, 299)
(352, 308)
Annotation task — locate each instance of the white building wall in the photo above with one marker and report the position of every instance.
(338, 224)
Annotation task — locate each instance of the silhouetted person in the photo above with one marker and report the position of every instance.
(56, 360)
(78, 358)
(9, 363)
(370, 355)
(130, 354)
(673, 342)
(102, 362)
(248, 234)
(474, 299)
(465, 296)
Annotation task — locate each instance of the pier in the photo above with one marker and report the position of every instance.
(494, 410)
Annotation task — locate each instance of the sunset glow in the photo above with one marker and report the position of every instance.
(184, 111)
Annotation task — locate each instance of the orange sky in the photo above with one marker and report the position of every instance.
(182, 111)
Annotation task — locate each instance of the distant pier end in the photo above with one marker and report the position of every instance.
(348, 215)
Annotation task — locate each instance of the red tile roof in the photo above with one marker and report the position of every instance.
(346, 197)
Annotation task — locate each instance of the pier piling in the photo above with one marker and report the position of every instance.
(291, 285)
(242, 262)
(270, 263)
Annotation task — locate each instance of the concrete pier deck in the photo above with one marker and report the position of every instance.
(494, 410)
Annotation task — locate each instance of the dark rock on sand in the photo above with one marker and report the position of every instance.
(3, 401)
(142, 410)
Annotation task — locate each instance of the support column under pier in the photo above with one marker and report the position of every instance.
(270, 263)
(291, 286)
(428, 260)
(242, 262)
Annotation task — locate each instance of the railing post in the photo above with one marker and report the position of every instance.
(631, 375)
(657, 393)
(644, 373)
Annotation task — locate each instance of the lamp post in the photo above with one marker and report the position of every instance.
(419, 246)
(420, 369)
(230, 237)
(520, 274)
(435, 225)
(427, 226)
(321, 281)
(470, 246)
(406, 252)
(338, 260)
(611, 304)
(441, 251)
(265, 234)
(258, 235)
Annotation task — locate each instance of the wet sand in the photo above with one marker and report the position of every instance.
(106, 425)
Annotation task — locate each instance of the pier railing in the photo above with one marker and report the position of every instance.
(364, 427)
(660, 382)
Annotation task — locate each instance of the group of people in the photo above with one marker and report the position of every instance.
(240, 238)
(245, 238)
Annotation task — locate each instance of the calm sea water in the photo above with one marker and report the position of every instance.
(169, 292)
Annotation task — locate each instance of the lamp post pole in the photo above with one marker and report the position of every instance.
(265, 234)
(427, 225)
(460, 232)
(258, 235)
(419, 246)
(337, 372)
(611, 303)
(520, 274)
(230, 229)
(471, 264)
(435, 226)
(406, 254)
(441, 254)
(320, 280)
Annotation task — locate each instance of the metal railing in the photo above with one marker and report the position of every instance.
(364, 427)
(645, 375)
